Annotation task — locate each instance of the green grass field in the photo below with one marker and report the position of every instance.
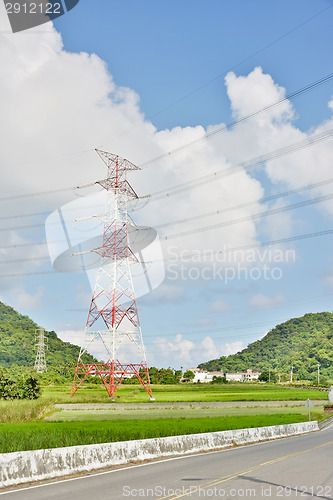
(172, 412)
(180, 409)
(187, 392)
(41, 435)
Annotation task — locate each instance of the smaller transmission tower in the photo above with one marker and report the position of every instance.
(40, 363)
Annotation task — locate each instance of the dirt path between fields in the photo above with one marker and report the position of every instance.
(183, 405)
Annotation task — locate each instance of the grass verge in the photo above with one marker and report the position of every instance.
(41, 435)
(24, 410)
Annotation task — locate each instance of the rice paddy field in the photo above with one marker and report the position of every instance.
(90, 416)
(185, 392)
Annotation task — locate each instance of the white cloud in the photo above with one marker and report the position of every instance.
(71, 336)
(82, 297)
(169, 293)
(263, 91)
(204, 322)
(55, 103)
(261, 301)
(183, 352)
(220, 306)
(25, 300)
(326, 279)
(233, 347)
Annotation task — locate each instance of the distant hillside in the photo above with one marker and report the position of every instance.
(301, 342)
(17, 342)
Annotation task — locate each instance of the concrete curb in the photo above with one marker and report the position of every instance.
(28, 466)
(325, 423)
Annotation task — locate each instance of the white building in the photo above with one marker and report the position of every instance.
(236, 377)
(204, 376)
(247, 376)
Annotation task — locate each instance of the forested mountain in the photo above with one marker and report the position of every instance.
(17, 342)
(301, 342)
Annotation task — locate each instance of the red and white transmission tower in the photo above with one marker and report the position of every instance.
(113, 304)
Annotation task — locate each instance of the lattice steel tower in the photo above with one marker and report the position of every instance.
(40, 363)
(113, 304)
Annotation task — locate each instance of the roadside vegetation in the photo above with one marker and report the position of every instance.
(41, 435)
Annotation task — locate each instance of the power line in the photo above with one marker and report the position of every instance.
(244, 166)
(210, 253)
(259, 215)
(274, 211)
(217, 330)
(200, 216)
(224, 128)
(37, 193)
(21, 216)
(325, 232)
(233, 124)
(248, 203)
(211, 227)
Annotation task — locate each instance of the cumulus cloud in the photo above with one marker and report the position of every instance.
(220, 306)
(72, 336)
(263, 91)
(233, 347)
(183, 352)
(204, 321)
(261, 301)
(168, 293)
(58, 106)
(26, 300)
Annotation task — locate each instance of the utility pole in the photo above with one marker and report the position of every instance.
(40, 362)
(318, 372)
(269, 374)
(113, 317)
(291, 373)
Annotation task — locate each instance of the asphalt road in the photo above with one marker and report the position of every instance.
(298, 467)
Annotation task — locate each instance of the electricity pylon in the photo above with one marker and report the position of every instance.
(40, 362)
(113, 305)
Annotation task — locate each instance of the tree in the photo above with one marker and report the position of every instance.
(31, 387)
(219, 380)
(266, 377)
(18, 385)
(189, 374)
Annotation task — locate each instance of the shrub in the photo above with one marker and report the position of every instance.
(18, 386)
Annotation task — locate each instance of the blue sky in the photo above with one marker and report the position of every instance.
(164, 74)
(167, 50)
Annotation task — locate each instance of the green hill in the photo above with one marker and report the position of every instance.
(17, 343)
(301, 342)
